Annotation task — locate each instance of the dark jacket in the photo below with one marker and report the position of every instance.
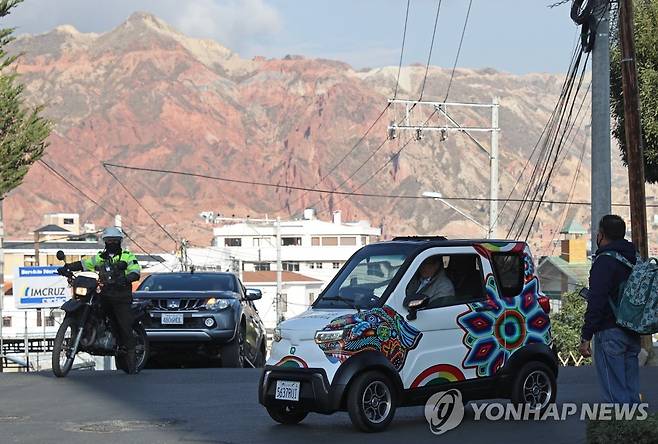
(605, 278)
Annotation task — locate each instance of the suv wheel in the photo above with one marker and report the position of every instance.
(371, 401)
(233, 352)
(535, 384)
(287, 414)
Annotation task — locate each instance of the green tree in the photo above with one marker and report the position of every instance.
(566, 325)
(646, 47)
(23, 131)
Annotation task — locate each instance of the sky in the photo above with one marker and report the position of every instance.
(518, 36)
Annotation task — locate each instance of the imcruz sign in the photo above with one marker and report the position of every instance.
(40, 287)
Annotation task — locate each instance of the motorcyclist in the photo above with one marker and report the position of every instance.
(117, 294)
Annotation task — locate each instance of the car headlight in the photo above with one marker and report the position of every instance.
(217, 304)
(328, 335)
(81, 291)
(276, 335)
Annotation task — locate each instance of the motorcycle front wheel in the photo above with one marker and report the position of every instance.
(63, 355)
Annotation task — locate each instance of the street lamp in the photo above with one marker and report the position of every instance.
(438, 196)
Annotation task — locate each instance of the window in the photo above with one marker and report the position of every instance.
(68, 221)
(336, 265)
(284, 302)
(510, 271)
(6, 321)
(311, 298)
(318, 265)
(28, 260)
(189, 282)
(364, 240)
(315, 241)
(311, 265)
(50, 321)
(290, 266)
(452, 280)
(233, 242)
(39, 322)
(262, 266)
(291, 241)
(349, 240)
(329, 241)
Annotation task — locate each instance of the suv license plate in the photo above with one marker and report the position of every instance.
(287, 390)
(172, 319)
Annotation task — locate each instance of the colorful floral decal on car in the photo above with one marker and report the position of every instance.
(438, 374)
(496, 328)
(378, 329)
(292, 362)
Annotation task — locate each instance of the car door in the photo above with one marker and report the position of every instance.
(251, 317)
(441, 354)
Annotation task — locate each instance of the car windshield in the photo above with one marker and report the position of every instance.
(365, 277)
(188, 282)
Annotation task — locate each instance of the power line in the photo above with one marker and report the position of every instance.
(429, 57)
(459, 50)
(404, 37)
(141, 206)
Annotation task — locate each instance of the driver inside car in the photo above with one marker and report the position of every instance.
(432, 281)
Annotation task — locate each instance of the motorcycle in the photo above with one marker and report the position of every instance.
(87, 328)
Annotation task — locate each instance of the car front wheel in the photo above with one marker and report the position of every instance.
(371, 401)
(535, 384)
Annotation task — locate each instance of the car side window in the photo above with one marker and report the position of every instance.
(448, 280)
(510, 269)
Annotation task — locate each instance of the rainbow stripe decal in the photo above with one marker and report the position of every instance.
(292, 362)
(438, 374)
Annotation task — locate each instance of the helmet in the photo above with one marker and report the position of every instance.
(112, 233)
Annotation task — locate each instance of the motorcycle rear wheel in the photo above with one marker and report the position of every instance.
(62, 359)
(142, 350)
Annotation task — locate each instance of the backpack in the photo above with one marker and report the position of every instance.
(636, 307)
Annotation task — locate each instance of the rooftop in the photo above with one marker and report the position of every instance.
(270, 276)
(578, 272)
(51, 228)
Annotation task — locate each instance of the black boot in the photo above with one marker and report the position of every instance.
(131, 361)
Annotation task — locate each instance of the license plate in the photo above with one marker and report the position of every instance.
(287, 390)
(172, 319)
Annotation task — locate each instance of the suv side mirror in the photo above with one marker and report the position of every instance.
(416, 304)
(60, 255)
(253, 294)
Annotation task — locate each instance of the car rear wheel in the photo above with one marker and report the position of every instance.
(536, 385)
(287, 414)
(371, 401)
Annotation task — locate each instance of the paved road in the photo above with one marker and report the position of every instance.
(220, 406)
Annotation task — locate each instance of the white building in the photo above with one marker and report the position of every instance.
(309, 246)
(297, 293)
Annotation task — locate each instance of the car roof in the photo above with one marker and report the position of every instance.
(196, 273)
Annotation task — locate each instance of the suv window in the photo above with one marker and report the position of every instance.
(448, 280)
(188, 282)
(509, 268)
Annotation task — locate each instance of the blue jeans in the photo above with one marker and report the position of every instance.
(616, 359)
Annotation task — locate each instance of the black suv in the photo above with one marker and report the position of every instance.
(207, 313)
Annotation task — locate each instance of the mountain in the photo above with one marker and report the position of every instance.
(146, 95)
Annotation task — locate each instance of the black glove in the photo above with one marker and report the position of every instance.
(64, 271)
(121, 280)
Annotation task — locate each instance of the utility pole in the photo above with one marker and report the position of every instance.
(444, 110)
(633, 130)
(493, 168)
(2, 287)
(277, 300)
(601, 155)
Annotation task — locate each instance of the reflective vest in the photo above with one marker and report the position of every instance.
(90, 263)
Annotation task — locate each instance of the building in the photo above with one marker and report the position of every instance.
(309, 246)
(297, 293)
(570, 270)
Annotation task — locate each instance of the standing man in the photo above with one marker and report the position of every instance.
(617, 349)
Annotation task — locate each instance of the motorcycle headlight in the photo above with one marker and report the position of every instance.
(217, 304)
(328, 335)
(276, 335)
(81, 291)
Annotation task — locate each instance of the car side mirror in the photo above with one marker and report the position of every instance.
(584, 293)
(416, 304)
(60, 255)
(253, 294)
